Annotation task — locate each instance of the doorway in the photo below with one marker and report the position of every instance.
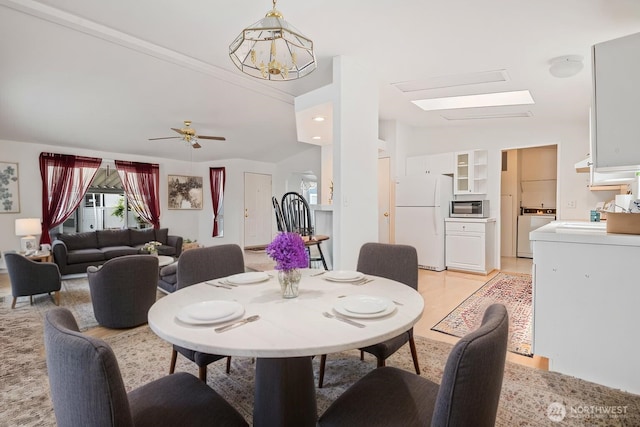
(528, 180)
(258, 210)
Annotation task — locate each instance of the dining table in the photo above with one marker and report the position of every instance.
(334, 311)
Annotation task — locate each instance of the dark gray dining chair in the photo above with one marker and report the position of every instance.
(296, 216)
(87, 387)
(198, 265)
(395, 262)
(123, 290)
(30, 278)
(277, 211)
(467, 396)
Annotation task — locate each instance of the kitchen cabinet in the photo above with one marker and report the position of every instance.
(470, 244)
(434, 164)
(470, 173)
(585, 302)
(616, 83)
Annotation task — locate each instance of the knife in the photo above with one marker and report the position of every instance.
(234, 324)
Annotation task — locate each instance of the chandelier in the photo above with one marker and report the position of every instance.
(272, 49)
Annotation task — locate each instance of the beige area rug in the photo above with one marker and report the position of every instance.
(526, 393)
(511, 289)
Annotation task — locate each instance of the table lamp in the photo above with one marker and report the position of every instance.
(27, 227)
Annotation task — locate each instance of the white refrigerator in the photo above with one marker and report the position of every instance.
(422, 204)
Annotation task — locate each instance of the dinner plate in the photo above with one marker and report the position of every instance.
(247, 278)
(210, 312)
(364, 306)
(343, 276)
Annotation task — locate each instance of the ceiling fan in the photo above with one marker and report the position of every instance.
(188, 135)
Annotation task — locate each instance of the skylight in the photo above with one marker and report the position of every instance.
(520, 97)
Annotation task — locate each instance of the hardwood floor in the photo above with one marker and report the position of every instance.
(442, 292)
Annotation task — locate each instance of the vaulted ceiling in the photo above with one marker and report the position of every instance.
(109, 75)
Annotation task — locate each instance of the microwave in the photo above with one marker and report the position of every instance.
(469, 209)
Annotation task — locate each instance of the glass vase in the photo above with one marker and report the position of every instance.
(289, 282)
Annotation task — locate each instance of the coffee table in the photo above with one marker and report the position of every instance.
(165, 260)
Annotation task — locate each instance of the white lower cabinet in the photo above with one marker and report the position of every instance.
(470, 244)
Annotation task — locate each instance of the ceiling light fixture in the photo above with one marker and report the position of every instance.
(318, 119)
(316, 137)
(566, 66)
(520, 97)
(272, 49)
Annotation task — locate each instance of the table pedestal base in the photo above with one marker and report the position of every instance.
(285, 393)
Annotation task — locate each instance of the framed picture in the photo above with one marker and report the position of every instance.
(9, 192)
(185, 192)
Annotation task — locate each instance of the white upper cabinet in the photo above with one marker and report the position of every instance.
(470, 173)
(434, 164)
(616, 128)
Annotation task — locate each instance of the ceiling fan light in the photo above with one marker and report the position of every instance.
(566, 66)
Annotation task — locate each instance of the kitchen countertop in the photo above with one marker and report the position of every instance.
(470, 219)
(582, 232)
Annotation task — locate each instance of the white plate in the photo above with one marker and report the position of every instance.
(247, 278)
(357, 302)
(343, 276)
(365, 304)
(210, 312)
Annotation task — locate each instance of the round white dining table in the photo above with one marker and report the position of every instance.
(288, 333)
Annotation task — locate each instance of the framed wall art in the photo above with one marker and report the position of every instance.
(9, 191)
(185, 192)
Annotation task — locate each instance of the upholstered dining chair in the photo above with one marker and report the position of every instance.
(87, 387)
(296, 216)
(468, 394)
(395, 262)
(29, 278)
(195, 266)
(123, 290)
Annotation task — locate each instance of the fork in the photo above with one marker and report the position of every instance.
(363, 281)
(344, 319)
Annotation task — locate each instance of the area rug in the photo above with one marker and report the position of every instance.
(527, 393)
(511, 289)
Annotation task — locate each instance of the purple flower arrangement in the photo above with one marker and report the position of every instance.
(288, 251)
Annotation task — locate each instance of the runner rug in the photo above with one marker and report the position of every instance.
(511, 289)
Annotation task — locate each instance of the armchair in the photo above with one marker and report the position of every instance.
(30, 278)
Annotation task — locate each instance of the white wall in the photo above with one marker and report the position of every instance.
(192, 224)
(573, 145)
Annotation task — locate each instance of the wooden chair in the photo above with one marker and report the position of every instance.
(296, 216)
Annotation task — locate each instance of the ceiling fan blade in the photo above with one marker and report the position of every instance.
(196, 145)
(178, 130)
(166, 137)
(217, 138)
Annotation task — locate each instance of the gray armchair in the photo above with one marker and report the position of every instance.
(87, 387)
(395, 262)
(467, 396)
(30, 278)
(123, 290)
(198, 265)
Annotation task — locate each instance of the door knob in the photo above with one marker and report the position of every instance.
(386, 214)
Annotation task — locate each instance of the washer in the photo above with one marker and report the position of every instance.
(529, 220)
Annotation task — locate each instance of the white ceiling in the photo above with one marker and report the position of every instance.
(108, 75)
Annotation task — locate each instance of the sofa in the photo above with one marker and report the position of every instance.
(73, 253)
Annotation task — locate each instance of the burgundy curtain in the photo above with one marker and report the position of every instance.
(217, 179)
(65, 180)
(141, 183)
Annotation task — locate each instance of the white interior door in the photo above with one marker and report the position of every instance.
(384, 200)
(257, 209)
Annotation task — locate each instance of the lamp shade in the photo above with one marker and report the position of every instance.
(28, 226)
